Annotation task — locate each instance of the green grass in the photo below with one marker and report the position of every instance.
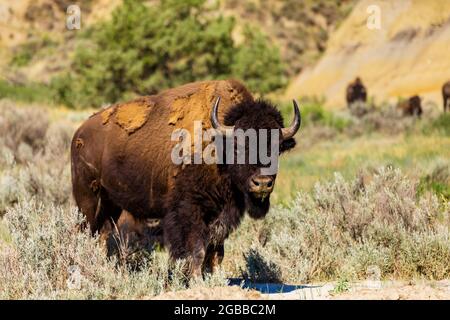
(415, 154)
(322, 226)
(341, 286)
(4, 234)
(313, 113)
(440, 124)
(31, 92)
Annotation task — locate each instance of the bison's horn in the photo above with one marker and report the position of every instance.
(225, 130)
(295, 125)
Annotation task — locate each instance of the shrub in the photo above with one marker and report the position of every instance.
(345, 227)
(24, 53)
(257, 63)
(142, 50)
(33, 156)
(49, 257)
(440, 124)
(260, 269)
(22, 128)
(438, 181)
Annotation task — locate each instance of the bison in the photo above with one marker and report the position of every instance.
(356, 91)
(121, 162)
(446, 95)
(411, 106)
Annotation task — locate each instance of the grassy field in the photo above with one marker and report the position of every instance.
(415, 154)
(355, 193)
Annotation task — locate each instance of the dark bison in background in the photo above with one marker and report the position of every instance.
(356, 91)
(411, 106)
(122, 170)
(446, 95)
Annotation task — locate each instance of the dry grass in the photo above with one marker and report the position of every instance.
(371, 214)
(343, 227)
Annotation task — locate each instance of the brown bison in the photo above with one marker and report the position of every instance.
(446, 95)
(122, 164)
(411, 106)
(356, 91)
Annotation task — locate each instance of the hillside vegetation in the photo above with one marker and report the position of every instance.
(134, 47)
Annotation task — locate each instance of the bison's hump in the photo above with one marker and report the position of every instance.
(132, 116)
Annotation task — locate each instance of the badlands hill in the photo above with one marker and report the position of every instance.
(409, 54)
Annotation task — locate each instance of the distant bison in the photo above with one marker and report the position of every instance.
(411, 106)
(446, 95)
(122, 165)
(356, 91)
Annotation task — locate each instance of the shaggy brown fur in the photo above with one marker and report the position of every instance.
(126, 149)
(411, 106)
(209, 202)
(446, 95)
(356, 91)
(121, 163)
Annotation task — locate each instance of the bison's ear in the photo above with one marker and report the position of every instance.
(287, 145)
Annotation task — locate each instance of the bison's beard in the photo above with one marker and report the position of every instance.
(257, 207)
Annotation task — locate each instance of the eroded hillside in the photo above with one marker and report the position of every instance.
(409, 54)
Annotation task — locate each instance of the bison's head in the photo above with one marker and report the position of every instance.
(256, 130)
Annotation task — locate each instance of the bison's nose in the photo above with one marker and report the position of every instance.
(261, 184)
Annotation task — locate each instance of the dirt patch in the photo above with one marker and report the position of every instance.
(217, 293)
(431, 290)
(389, 290)
(195, 104)
(131, 116)
(106, 114)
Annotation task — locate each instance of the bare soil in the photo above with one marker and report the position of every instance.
(392, 290)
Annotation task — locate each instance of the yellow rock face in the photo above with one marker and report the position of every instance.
(409, 54)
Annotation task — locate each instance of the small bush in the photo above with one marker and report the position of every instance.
(50, 258)
(438, 181)
(440, 124)
(24, 53)
(260, 269)
(21, 127)
(345, 227)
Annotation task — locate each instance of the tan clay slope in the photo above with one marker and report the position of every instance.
(409, 55)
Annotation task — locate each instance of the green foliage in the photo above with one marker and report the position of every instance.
(437, 181)
(313, 113)
(258, 60)
(22, 58)
(441, 124)
(144, 49)
(341, 286)
(25, 52)
(31, 92)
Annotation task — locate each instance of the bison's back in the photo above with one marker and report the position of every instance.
(129, 144)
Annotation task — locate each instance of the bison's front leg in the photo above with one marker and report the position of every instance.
(185, 234)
